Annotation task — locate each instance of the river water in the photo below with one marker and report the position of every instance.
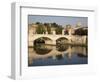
(44, 55)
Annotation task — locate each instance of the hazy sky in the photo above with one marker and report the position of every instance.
(61, 20)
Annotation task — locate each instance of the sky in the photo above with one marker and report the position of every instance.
(61, 20)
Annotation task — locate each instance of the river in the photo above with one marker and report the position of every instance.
(47, 55)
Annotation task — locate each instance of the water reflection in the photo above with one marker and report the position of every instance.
(61, 48)
(43, 55)
(42, 49)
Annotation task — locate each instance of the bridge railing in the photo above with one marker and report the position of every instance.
(52, 33)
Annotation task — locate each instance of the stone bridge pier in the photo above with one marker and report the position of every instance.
(53, 42)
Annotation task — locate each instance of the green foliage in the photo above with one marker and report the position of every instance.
(59, 30)
(81, 31)
(38, 23)
(40, 29)
(57, 27)
(48, 27)
(54, 24)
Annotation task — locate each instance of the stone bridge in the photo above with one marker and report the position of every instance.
(53, 37)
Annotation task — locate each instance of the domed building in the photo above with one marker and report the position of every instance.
(69, 29)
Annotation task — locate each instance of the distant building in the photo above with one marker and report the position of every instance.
(70, 30)
(32, 28)
(79, 25)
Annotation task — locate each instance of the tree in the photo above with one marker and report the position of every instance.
(81, 31)
(47, 25)
(54, 24)
(59, 30)
(40, 29)
(38, 23)
(48, 29)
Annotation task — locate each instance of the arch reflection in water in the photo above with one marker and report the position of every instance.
(44, 55)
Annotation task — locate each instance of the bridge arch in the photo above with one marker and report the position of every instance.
(45, 40)
(62, 40)
(52, 38)
(35, 38)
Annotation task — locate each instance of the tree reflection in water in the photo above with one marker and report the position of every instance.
(59, 57)
(61, 48)
(81, 55)
(41, 49)
(43, 55)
